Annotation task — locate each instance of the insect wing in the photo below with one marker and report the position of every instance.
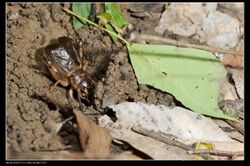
(63, 58)
(68, 45)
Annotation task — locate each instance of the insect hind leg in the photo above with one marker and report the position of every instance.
(52, 86)
(80, 102)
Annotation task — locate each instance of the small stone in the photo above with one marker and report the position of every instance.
(13, 16)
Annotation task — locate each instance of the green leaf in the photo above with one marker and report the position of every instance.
(104, 18)
(109, 27)
(112, 19)
(81, 9)
(117, 19)
(191, 75)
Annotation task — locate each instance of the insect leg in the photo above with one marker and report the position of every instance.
(70, 96)
(80, 102)
(51, 87)
(85, 66)
(80, 53)
(68, 119)
(60, 124)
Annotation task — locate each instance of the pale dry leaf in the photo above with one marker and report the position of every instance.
(176, 121)
(187, 126)
(235, 10)
(227, 91)
(240, 46)
(153, 148)
(238, 158)
(230, 131)
(95, 140)
(238, 77)
(228, 146)
(238, 125)
(233, 61)
(127, 155)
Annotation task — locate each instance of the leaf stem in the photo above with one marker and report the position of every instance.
(96, 25)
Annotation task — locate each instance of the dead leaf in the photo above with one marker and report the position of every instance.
(233, 61)
(160, 118)
(127, 155)
(239, 125)
(227, 91)
(238, 77)
(176, 121)
(228, 146)
(233, 133)
(151, 147)
(222, 146)
(95, 140)
(238, 158)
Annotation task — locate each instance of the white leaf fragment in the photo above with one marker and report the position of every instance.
(153, 148)
(176, 121)
(189, 127)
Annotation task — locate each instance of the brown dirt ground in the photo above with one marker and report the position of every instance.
(33, 111)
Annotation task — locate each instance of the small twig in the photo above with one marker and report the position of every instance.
(217, 152)
(96, 25)
(167, 139)
(138, 37)
(170, 140)
(239, 126)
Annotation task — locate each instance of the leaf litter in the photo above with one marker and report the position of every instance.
(183, 126)
(203, 21)
(95, 143)
(95, 140)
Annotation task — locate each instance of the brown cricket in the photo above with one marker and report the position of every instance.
(65, 64)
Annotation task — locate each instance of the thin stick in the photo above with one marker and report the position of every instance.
(136, 36)
(239, 126)
(170, 141)
(167, 139)
(217, 152)
(96, 25)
